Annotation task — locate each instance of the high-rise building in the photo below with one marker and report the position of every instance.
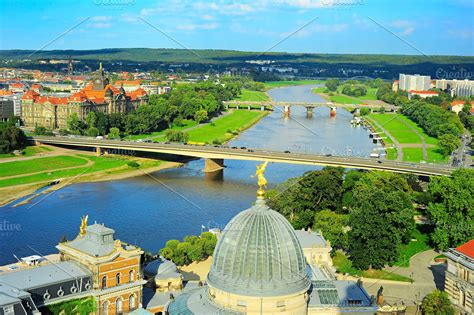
(459, 88)
(416, 82)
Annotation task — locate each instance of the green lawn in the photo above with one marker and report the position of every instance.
(371, 94)
(218, 129)
(434, 156)
(344, 99)
(396, 128)
(40, 164)
(412, 154)
(275, 84)
(28, 151)
(101, 163)
(321, 89)
(344, 265)
(251, 96)
(419, 244)
(187, 123)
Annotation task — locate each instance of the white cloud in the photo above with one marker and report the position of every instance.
(101, 18)
(100, 25)
(192, 27)
(461, 33)
(403, 27)
(207, 17)
(225, 8)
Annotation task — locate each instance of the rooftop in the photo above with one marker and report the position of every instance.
(467, 249)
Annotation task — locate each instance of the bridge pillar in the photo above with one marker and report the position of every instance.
(332, 113)
(286, 111)
(98, 151)
(37, 142)
(249, 107)
(213, 165)
(309, 112)
(262, 108)
(226, 106)
(237, 106)
(357, 111)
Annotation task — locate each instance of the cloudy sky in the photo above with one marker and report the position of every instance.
(412, 27)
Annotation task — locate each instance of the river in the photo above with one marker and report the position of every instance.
(170, 204)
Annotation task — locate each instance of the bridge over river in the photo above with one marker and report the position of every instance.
(215, 155)
(264, 105)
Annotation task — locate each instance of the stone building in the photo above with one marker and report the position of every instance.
(99, 96)
(459, 280)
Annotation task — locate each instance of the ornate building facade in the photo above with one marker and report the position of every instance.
(99, 96)
(459, 280)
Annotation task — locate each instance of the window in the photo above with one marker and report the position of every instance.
(104, 282)
(131, 302)
(118, 306)
(241, 303)
(281, 303)
(8, 310)
(105, 308)
(117, 279)
(131, 276)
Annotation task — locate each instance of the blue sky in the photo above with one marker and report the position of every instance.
(432, 27)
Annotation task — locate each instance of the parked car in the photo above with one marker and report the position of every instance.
(286, 151)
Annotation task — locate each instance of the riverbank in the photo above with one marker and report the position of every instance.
(11, 194)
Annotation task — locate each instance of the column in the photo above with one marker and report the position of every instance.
(213, 165)
(309, 112)
(332, 113)
(286, 111)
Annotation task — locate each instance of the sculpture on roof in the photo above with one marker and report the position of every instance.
(82, 228)
(262, 182)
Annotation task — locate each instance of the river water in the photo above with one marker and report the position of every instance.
(149, 210)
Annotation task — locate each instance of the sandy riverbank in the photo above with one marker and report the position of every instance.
(10, 194)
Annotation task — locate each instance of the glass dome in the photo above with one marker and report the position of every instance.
(259, 255)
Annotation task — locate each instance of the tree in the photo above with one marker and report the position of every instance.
(40, 131)
(448, 143)
(451, 209)
(332, 84)
(381, 219)
(364, 111)
(91, 119)
(63, 132)
(114, 133)
(200, 116)
(176, 136)
(437, 303)
(11, 137)
(92, 132)
(332, 226)
(74, 124)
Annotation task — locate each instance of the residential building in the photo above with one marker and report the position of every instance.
(458, 88)
(415, 82)
(459, 280)
(422, 94)
(6, 108)
(457, 106)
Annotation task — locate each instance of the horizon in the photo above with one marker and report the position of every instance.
(358, 27)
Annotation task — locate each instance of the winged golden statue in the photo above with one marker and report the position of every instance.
(262, 182)
(82, 228)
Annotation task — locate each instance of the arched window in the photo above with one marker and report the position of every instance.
(131, 276)
(131, 302)
(118, 306)
(117, 279)
(104, 282)
(105, 308)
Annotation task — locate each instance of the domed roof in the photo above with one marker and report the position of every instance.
(259, 255)
(160, 267)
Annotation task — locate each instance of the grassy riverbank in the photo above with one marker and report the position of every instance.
(252, 96)
(225, 127)
(26, 152)
(187, 123)
(410, 137)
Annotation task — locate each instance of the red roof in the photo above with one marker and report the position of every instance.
(424, 92)
(5, 92)
(126, 82)
(17, 85)
(30, 95)
(53, 100)
(454, 103)
(137, 93)
(467, 249)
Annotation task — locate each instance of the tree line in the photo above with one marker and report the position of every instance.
(193, 248)
(11, 137)
(369, 215)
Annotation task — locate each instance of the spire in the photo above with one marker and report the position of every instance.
(100, 66)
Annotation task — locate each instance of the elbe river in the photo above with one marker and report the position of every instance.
(177, 202)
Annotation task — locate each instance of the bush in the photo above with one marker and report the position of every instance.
(63, 132)
(133, 164)
(93, 132)
(114, 133)
(176, 136)
(216, 141)
(40, 131)
(193, 248)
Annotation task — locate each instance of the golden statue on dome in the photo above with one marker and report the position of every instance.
(82, 228)
(262, 182)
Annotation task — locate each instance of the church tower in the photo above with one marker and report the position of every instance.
(70, 68)
(100, 82)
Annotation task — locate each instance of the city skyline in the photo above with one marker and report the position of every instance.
(321, 26)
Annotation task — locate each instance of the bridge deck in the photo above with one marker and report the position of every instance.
(223, 152)
(308, 104)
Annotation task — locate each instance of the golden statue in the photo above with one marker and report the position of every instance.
(82, 228)
(262, 182)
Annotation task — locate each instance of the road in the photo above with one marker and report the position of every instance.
(224, 152)
(462, 156)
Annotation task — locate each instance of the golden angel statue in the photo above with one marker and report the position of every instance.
(82, 228)
(262, 182)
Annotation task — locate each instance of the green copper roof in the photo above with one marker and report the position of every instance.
(259, 255)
